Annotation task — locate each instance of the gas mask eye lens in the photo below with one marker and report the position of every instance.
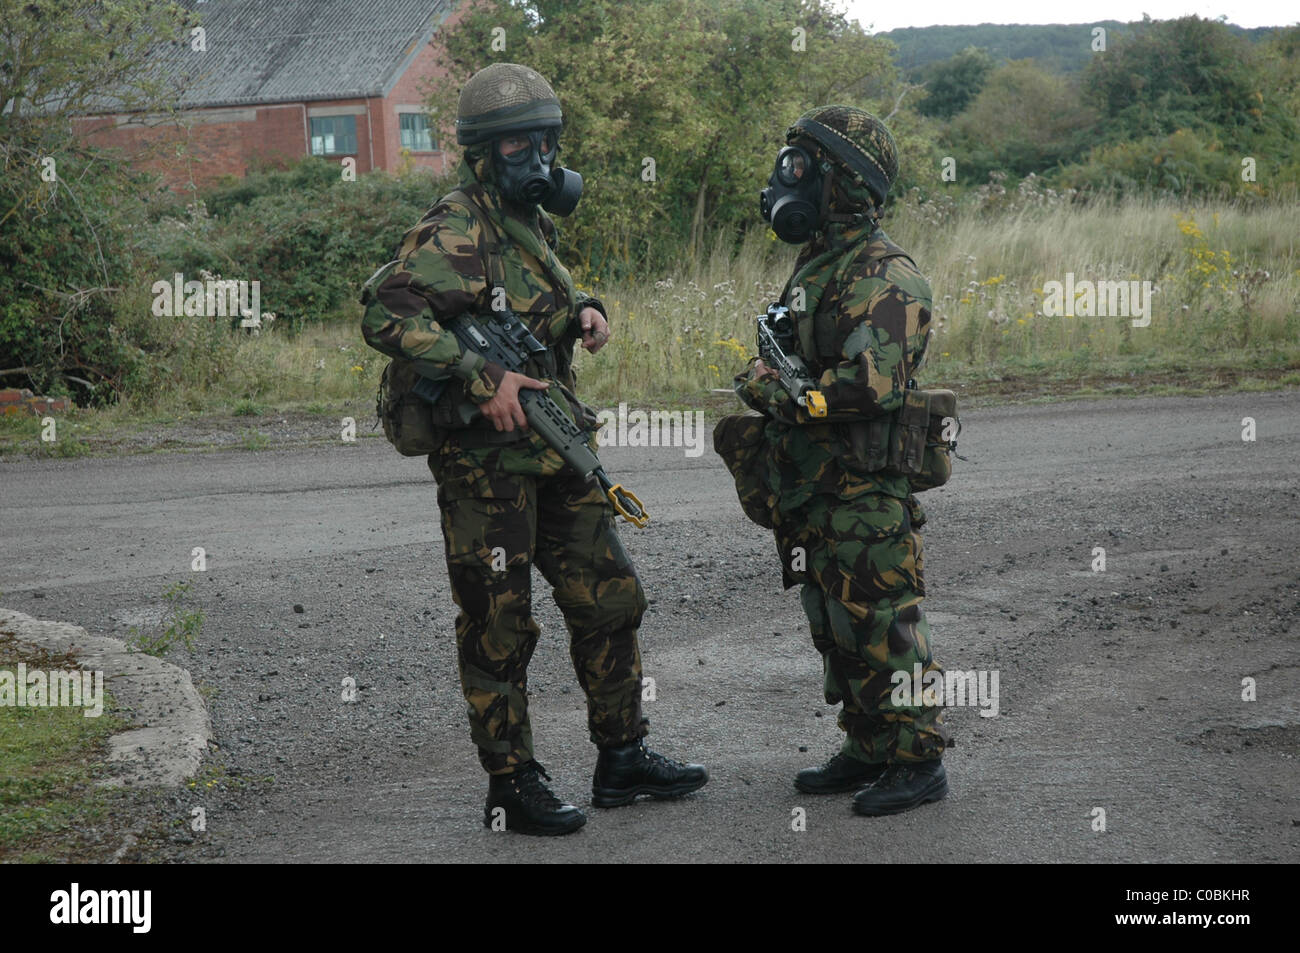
(791, 166)
(520, 149)
(514, 149)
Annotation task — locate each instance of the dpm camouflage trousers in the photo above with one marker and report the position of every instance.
(496, 526)
(860, 565)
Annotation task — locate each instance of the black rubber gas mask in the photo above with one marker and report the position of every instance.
(791, 203)
(528, 176)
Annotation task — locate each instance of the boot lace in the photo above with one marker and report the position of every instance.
(532, 789)
(659, 762)
(837, 761)
(896, 774)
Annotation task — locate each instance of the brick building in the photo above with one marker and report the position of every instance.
(279, 79)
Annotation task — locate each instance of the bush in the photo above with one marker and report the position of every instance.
(309, 237)
(1180, 165)
(64, 258)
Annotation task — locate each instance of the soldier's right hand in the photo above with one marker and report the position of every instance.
(504, 409)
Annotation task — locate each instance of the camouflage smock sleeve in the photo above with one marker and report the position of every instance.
(438, 273)
(583, 300)
(769, 397)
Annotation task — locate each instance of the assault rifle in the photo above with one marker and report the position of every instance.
(508, 342)
(776, 348)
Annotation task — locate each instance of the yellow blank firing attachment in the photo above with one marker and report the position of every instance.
(628, 506)
(815, 403)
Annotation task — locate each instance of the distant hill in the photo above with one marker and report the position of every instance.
(1059, 47)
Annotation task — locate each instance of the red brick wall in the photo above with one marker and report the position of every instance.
(209, 143)
(409, 91)
(204, 144)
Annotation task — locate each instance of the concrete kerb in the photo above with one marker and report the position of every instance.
(173, 727)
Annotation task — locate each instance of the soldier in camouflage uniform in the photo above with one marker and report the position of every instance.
(507, 500)
(847, 532)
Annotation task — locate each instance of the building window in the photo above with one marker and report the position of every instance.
(416, 134)
(334, 136)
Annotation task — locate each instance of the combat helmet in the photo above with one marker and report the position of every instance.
(856, 141)
(502, 98)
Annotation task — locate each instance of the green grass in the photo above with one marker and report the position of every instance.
(253, 440)
(178, 625)
(684, 333)
(25, 432)
(51, 757)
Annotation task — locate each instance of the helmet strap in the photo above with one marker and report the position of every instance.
(844, 218)
(840, 218)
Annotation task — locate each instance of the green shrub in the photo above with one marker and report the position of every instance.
(308, 236)
(64, 258)
(1180, 165)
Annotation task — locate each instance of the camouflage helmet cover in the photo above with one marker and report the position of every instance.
(860, 144)
(502, 98)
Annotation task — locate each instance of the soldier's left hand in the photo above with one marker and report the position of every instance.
(595, 329)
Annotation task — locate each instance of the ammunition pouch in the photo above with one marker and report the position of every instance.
(739, 440)
(407, 418)
(915, 442)
(413, 425)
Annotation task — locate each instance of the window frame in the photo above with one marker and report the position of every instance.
(333, 135)
(428, 131)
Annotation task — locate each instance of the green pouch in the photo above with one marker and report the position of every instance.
(739, 440)
(869, 443)
(940, 440)
(407, 418)
(911, 429)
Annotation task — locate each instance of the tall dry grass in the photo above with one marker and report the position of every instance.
(1226, 282)
(687, 330)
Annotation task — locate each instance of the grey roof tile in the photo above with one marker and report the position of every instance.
(270, 51)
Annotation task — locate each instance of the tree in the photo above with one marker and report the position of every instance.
(59, 60)
(1023, 120)
(63, 208)
(1197, 78)
(1168, 75)
(954, 82)
(674, 130)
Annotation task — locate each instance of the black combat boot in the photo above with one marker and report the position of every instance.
(841, 773)
(903, 786)
(631, 769)
(530, 807)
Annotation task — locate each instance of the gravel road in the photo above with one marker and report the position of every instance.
(1120, 689)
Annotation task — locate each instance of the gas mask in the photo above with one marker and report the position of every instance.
(791, 203)
(528, 175)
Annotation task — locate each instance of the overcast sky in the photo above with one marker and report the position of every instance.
(879, 16)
